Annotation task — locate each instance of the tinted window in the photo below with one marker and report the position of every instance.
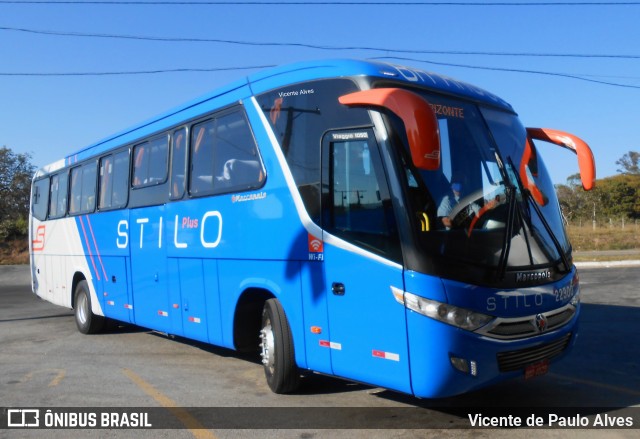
(114, 171)
(120, 179)
(58, 198)
(150, 162)
(299, 116)
(358, 206)
(40, 198)
(106, 182)
(83, 189)
(178, 163)
(202, 144)
(224, 156)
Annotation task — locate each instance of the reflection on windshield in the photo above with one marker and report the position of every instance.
(512, 140)
(480, 214)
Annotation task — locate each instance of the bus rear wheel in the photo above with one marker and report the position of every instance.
(276, 349)
(86, 320)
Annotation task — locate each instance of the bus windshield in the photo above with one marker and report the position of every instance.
(483, 223)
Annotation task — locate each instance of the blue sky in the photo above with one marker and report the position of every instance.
(51, 116)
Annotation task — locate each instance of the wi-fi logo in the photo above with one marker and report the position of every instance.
(315, 245)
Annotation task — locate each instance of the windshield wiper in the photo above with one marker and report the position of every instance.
(545, 223)
(547, 227)
(510, 192)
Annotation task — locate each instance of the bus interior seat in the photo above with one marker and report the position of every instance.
(242, 172)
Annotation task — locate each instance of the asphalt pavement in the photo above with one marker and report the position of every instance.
(46, 362)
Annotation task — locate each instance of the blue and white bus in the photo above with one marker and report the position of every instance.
(358, 219)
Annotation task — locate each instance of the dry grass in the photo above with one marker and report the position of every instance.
(14, 252)
(604, 238)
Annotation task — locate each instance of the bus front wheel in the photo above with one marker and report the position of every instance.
(86, 320)
(276, 349)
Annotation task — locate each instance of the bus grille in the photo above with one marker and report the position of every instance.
(526, 326)
(515, 360)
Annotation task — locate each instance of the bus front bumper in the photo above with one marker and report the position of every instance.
(447, 361)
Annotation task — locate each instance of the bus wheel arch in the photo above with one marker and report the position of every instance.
(77, 278)
(248, 318)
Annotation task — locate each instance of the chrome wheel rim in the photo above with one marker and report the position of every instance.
(267, 346)
(83, 308)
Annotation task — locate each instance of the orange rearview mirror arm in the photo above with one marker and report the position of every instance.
(419, 120)
(586, 162)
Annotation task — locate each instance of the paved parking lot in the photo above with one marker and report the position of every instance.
(45, 362)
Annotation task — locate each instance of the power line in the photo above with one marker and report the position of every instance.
(393, 58)
(510, 70)
(314, 46)
(312, 3)
(136, 72)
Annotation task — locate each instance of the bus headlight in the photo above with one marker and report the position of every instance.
(575, 300)
(452, 315)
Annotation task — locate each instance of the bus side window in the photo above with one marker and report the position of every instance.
(358, 206)
(224, 156)
(201, 178)
(58, 195)
(178, 161)
(151, 159)
(88, 187)
(76, 190)
(83, 189)
(62, 193)
(40, 199)
(106, 182)
(237, 164)
(139, 165)
(114, 172)
(53, 197)
(158, 160)
(120, 179)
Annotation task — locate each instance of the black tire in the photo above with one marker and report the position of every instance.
(277, 352)
(86, 320)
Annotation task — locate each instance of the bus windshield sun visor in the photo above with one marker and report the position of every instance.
(419, 120)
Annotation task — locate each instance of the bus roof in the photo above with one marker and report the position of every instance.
(305, 71)
(279, 77)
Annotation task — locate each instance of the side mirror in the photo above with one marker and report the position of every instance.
(586, 162)
(419, 120)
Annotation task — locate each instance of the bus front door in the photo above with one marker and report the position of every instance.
(362, 262)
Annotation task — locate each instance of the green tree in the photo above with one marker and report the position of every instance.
(620, 198)
(575, 202)
(613, 197)
(629, 163)
(628, 195)
(16, 171)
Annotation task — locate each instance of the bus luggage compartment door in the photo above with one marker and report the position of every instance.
(149, 269)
